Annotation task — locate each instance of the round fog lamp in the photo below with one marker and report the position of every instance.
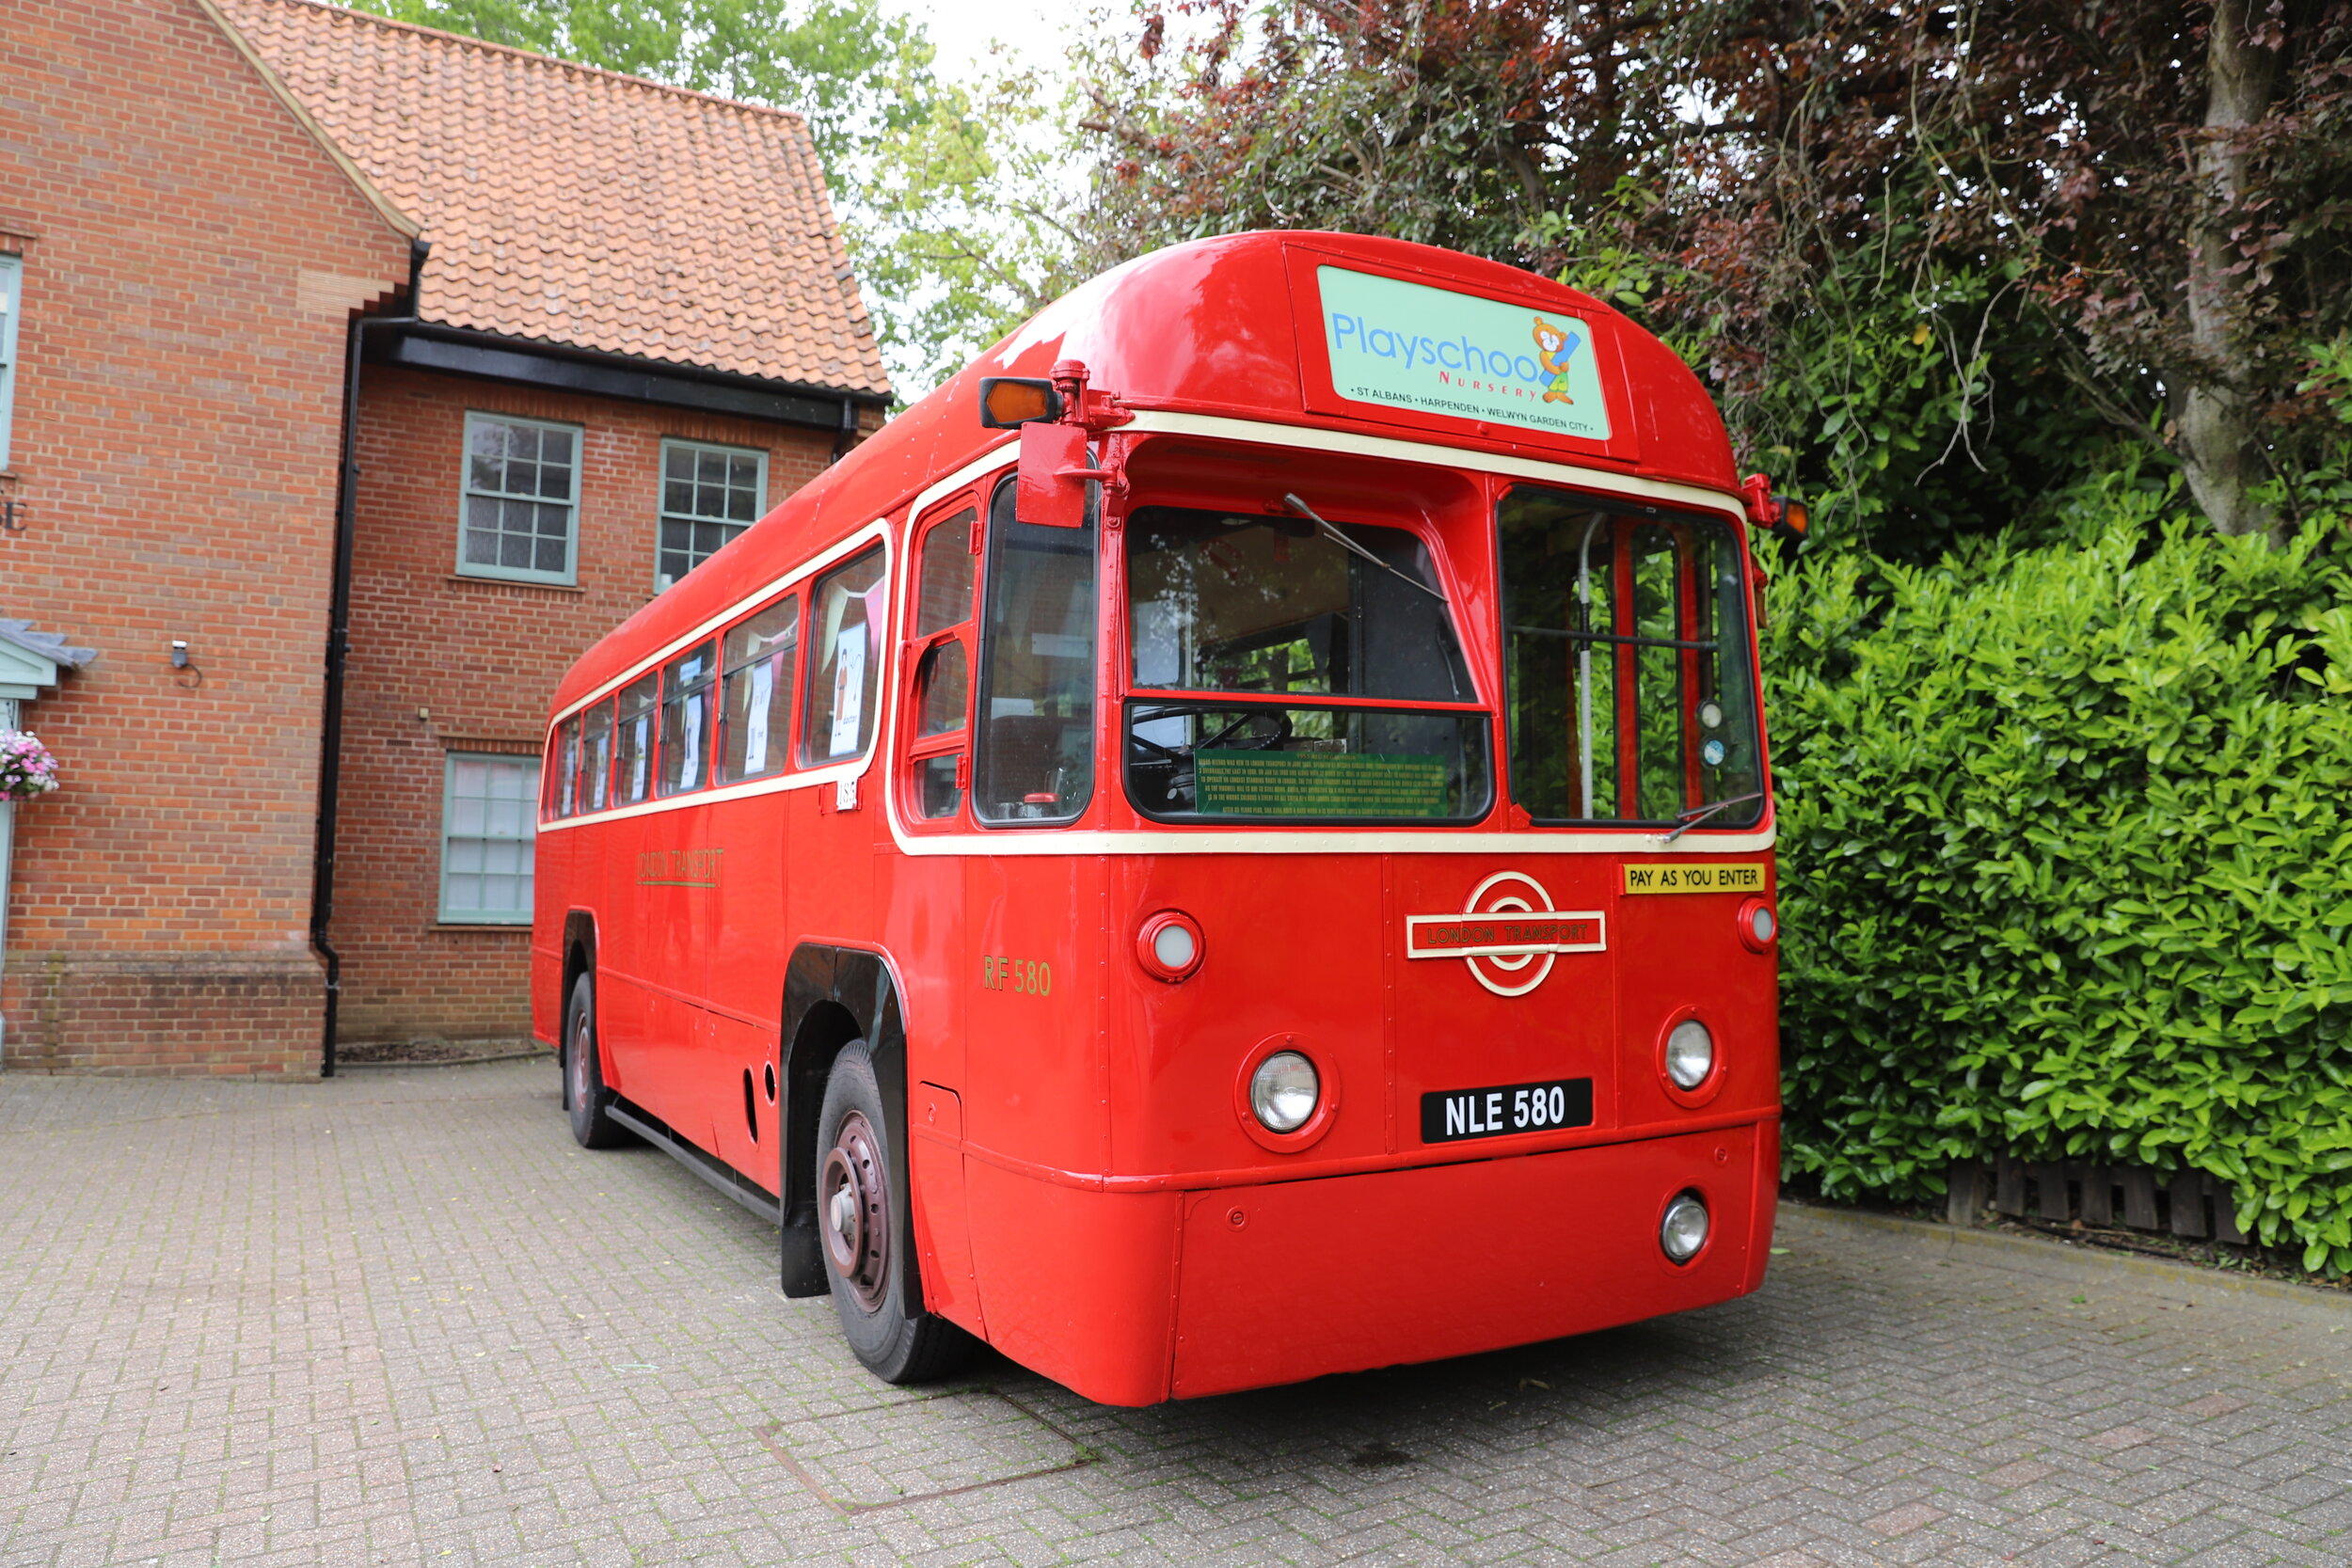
(1683, 1231)
(1690, 1054)
(1283, 1091)
(1173, 947)
(1759, 925)
(1169, 945)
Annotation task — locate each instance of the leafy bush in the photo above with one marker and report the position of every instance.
(2066, 862)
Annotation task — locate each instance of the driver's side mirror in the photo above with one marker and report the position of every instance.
(1052, 486)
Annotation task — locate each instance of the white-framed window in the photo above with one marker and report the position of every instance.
(709, 496)
(12, 293)
(518, 517)
(487, 807)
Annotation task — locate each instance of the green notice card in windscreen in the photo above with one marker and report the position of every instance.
(1412, 346)
(1320, 783)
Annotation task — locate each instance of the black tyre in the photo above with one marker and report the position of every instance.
(868, 1237)
(584, 1094)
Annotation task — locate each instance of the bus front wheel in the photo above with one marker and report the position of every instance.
(584, 1094)
(868, 1241)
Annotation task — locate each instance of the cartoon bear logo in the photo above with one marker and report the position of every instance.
(1553, 345)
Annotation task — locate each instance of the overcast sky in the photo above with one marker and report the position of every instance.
(1032, 30)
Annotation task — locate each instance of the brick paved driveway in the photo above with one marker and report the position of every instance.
(399, 1317)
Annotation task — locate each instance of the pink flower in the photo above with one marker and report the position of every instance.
(27, 766)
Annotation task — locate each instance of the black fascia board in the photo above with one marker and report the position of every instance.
(461, 352)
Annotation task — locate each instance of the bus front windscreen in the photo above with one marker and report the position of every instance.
(1358, 705)
(1629, 690)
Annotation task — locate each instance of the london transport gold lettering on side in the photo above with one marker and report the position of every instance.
(679, 867)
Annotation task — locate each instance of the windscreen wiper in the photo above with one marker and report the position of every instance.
(1343, 542)
(1689, 819)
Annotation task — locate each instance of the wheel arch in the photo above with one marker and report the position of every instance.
(835, 994)
(579, 957)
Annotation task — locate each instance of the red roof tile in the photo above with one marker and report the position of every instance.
(584, 208)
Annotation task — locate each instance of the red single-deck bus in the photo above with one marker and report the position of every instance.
(1229, 842)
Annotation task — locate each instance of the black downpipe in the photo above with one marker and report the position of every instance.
(847, 437)
(338, 647)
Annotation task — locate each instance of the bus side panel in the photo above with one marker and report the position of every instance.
(608, 876)
(552, 857)
(829, 894)
(652, 970)
(943, 1229)
(1080, 1285)
(1035, 1066)
(680, 906)
(749, 951)
(923, 924)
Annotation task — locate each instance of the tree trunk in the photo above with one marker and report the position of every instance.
(2219, 421)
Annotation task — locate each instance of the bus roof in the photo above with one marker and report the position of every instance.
(1344, 332)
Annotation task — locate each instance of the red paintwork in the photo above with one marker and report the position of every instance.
(1076, 1155)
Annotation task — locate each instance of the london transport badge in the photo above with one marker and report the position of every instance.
(1507, 933)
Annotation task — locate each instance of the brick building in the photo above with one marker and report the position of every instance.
(571, 329)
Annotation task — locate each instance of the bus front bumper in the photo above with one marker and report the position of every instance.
(1211, 1291)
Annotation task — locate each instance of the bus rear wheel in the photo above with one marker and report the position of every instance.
(869, 1237)
(584, 1094)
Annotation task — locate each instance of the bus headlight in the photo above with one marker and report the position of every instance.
(1169, 945)
(1683, 1231)
(1283, 1091)
(1690, 1054)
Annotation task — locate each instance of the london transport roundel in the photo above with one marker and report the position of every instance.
(1507, 933)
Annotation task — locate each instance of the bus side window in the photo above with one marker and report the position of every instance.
(686, 737)
(595, 757)
(939, 765)
(758, 690)
(634, 755)
(1034, 755)
(845, 614)
(565, 767)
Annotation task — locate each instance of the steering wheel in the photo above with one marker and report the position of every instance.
(1266, 742)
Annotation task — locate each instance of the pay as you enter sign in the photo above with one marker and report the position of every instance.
(1708, 877)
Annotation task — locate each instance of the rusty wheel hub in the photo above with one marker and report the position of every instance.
(853, 1209)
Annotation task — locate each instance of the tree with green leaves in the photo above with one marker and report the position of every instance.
(1934, 256)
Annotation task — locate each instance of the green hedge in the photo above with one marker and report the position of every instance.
(2066, 863)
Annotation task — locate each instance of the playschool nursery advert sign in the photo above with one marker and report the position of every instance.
(1413, 347)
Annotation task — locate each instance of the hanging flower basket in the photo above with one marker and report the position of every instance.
(27, 769)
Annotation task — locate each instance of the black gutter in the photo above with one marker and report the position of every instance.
(492, 357)
(338, 648)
